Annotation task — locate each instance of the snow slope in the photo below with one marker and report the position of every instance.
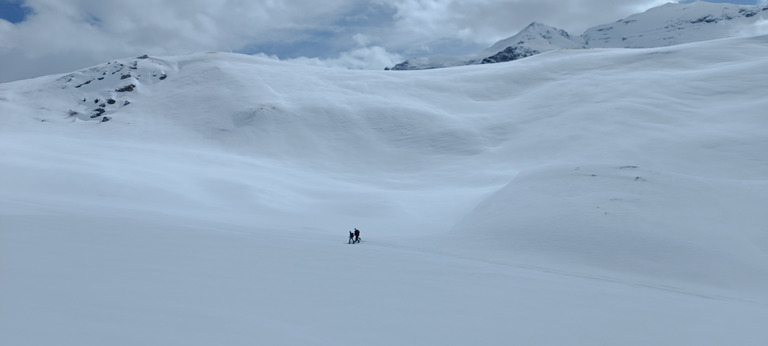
(600, 196)
(666, 25)
(675, 23)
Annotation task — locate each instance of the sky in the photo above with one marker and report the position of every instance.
(41, 37)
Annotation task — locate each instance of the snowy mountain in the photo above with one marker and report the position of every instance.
(673, 24)
(606, 196)
(534, 39)
(666, 25)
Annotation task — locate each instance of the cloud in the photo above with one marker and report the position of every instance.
(363, 58)
(167, 26)
(60, 36)
(95, 31)
(755, 29)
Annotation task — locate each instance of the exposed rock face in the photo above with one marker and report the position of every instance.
(509, 54)
(109, 85)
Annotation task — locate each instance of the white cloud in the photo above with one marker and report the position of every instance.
(758, 28)
(362, 58)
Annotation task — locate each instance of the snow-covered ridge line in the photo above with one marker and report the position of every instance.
(666, 25)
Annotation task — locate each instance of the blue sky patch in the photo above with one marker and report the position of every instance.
(13, 11)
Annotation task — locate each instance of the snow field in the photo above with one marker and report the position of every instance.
(576, 197)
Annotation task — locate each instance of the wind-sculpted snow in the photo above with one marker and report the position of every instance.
(631, 220)
(606, 196)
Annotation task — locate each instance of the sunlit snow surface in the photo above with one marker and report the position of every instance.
(577, 197)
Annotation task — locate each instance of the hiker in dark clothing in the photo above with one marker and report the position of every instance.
(357, 235)
(351, 237)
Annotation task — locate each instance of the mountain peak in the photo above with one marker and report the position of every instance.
(535, 25)
(665, 25)
(538, 36)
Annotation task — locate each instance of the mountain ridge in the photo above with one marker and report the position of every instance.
(665, 25)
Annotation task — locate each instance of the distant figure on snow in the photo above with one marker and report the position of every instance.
(351, 237)
(357, 235)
